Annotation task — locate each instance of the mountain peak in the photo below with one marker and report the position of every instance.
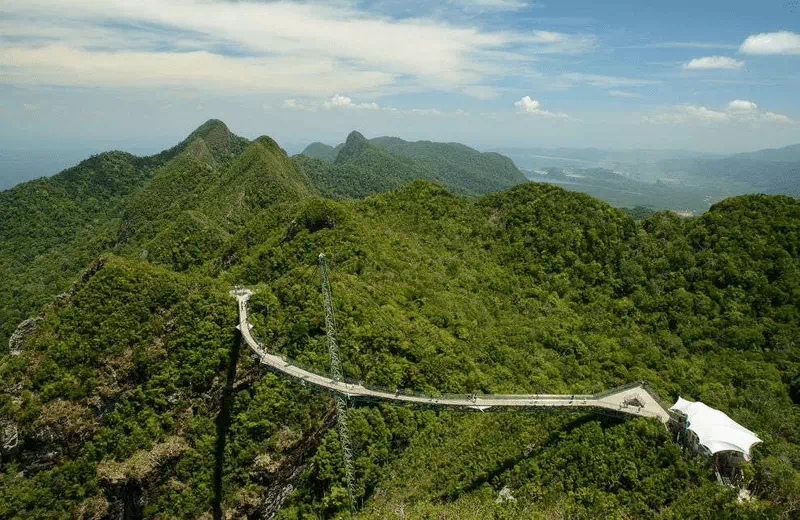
(212, 141)
(355, 144)
(270, 144)
(210, 126)
(355, 136)
(215, 133)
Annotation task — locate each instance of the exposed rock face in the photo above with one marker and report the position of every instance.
(93, 269)
(143, 464)
(17, 339)
(505, 496)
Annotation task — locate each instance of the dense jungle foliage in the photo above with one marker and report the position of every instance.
(134, 398)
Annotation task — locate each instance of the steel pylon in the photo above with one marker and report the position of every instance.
(336, 374)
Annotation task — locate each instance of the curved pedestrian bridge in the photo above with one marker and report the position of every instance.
(632, 399)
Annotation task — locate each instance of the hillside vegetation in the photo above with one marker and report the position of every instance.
(51, 229)
(134, 397)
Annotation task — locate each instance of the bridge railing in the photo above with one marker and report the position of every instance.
(618, 389)
(657, 398)
(539, 397)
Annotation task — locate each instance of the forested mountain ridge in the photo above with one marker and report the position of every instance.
(789, 153)
(455, 165)
(68, 219)
(199, 206)
(132, 396)
(361, 168)
(47, 225)
(322, 151)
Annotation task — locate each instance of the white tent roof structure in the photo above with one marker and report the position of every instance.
(715, 430)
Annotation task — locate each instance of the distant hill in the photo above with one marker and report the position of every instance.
(319, 150)
(788, 154)
(636, 162)
(459, 166)
(322, 151)
(361, 166)
(739, 174)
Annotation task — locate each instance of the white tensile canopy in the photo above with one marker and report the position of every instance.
(715, 430)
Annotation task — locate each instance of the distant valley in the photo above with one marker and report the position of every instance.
(662, 179)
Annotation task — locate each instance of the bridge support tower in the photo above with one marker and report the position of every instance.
(336, 374)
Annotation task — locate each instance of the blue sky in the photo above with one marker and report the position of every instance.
(140, 74)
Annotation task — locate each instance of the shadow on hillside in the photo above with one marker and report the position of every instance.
(223, 424)
(552, 439)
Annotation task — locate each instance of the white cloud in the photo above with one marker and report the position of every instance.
(547, 37)
(339, 101)
(293, 104)
(527, 105)
(713, 62)
(687, 45)
(287, 47)
(551, 42)
(623, 94)
(600, 80)
(687, 114)
(777, 118)
(61, 65)
(780, 42)
(737, 111)
(742, 106)
(426, 111)
(494, 5)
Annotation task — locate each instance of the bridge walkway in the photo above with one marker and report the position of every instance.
(633, 399)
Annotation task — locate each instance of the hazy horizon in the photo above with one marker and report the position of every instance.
(27, 161)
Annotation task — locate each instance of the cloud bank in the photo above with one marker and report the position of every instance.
(737, 111)
(309, 48)
(527, 105)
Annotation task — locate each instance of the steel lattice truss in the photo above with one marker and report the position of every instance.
(336, 374)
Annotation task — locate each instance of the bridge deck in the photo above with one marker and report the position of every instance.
(625, 400)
